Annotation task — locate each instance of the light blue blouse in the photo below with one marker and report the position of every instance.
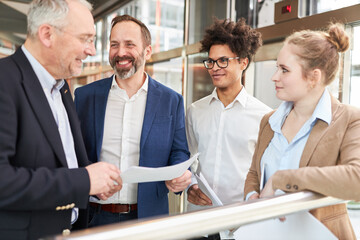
(280, 154)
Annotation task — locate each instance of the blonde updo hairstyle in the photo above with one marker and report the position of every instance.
(318, 49)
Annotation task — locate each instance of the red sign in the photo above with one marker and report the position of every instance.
(286, 9)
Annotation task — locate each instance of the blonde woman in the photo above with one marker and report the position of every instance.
(312, 141)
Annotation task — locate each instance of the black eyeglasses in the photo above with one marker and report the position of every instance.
(222, 62)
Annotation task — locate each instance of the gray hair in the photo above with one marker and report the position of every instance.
(52, 12)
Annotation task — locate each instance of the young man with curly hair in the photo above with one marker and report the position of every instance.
(224, 126)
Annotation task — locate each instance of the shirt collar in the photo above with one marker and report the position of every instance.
(277, 119)
(213, 96)
(144, 87)
(322, 111)
(241, 97)
(323, 108)
(46, 80)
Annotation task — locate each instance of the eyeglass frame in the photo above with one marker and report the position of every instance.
(86, 41)
(216, 61)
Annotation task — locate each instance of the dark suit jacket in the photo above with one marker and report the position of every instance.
(162, 143)
(34, 177)
(329, 164)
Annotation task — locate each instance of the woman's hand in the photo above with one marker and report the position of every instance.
(268, 191)
(254, 196)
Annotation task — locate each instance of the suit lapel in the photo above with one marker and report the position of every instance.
(265, 139)
(316, 134)
(152, 102)
(75, 125)
(101, 97)
(40, 105)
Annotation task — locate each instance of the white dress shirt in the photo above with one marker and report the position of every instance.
(225, 138)
(124, 118)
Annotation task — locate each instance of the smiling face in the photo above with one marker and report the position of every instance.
(71, 42)
(127, 53)
(290, 83)
(229, 77)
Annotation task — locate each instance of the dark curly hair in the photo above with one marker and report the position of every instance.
(240, 37)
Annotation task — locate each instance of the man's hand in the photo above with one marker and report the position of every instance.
(104, 179)
(180, 183)
(197, 197)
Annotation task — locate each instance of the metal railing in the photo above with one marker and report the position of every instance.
(207, 221)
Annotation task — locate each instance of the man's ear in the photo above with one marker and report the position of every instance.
(45, 34)
(148, 52)
(244, 62)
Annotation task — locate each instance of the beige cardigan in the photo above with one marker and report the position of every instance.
(329, 165)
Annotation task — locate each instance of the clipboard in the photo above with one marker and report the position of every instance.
(262, 178)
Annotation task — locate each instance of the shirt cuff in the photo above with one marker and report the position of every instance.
(193, 181)
(249, 195)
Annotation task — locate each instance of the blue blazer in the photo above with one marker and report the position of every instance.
(163, 139)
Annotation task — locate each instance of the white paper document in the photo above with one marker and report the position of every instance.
(297, 226)
(137, 174)
(207, 190)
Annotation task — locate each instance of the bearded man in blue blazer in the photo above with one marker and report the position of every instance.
(129, 120)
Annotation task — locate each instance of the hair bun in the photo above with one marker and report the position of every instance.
(338, 37)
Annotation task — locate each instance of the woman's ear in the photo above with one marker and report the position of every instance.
(315, 78)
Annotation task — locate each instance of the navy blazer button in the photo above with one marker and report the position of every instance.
(66, 232)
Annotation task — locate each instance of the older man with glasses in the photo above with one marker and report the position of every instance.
(45, 175)
(224, 126)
